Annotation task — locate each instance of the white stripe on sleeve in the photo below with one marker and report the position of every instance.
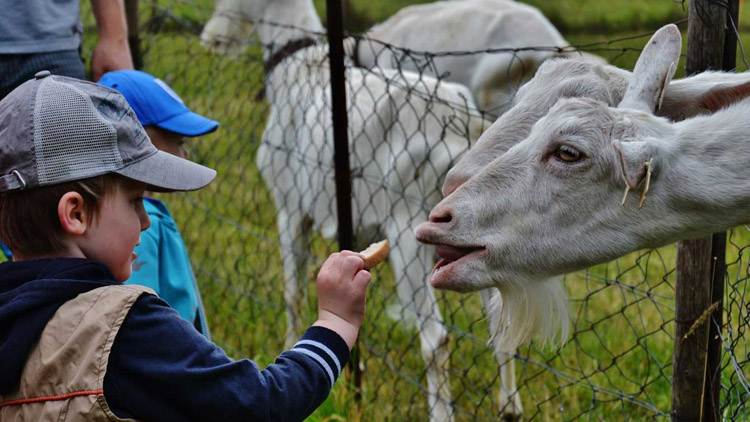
(318, 359)
(324, 348)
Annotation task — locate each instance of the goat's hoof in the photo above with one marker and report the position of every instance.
(511, 417)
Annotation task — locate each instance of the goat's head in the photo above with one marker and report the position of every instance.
(584, 78)
(230, 26)
(551, 203)
(555, 79)
(275, 22)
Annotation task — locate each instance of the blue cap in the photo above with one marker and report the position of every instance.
(155, 103)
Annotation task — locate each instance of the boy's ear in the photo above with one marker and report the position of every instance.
(72, 214)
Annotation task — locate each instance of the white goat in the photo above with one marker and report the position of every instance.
(468, 25)
(537, 309)
(405, 131)
(551, 203)
(557, 79)
(446, 26)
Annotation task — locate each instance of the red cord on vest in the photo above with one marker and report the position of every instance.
(52, 398)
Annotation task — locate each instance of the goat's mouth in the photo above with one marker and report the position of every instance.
(445, 272)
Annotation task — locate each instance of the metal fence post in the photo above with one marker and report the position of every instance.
(701, 262)
(134, 40)
(334, 18)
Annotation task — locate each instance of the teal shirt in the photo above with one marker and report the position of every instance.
(5, 255)
(164, 266)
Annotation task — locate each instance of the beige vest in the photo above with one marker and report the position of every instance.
(63, 378)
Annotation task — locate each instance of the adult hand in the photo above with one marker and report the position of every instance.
(112, 52)
(110, 55)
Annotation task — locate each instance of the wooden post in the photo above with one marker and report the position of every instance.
(700, 262)
(335, 23)
(706, 32)
(692, 297)
(134, 39)
(719, 240)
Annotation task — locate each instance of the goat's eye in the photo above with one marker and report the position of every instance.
(568, 154)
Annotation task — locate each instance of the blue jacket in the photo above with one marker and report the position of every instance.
(160, 368)
(164, 266)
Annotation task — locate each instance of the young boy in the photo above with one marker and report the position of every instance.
(163, 262)
(77, 344)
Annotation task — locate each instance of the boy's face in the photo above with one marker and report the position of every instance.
(116, 231)
(167, 141)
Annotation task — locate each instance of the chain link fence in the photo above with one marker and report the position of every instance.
(616, 365)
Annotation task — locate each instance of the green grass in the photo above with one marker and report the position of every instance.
(566, 15)
(617, 365)
(569, 16)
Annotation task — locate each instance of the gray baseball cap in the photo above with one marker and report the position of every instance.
(55, 129)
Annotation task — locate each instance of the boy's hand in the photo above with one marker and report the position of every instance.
(342, 293)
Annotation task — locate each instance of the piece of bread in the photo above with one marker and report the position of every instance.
(375, 254)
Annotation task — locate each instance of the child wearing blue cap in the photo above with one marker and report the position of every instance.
(163, 262)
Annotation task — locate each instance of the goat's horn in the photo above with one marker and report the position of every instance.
(648, 183)
(624, 197)
(666, 82)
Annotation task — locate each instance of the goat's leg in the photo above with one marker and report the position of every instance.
(294, 242)
(411, 262)
(510, 398)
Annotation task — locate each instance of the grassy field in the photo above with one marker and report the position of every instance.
(616, 365)
(569, 16)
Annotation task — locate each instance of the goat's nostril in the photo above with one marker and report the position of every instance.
(445, 217)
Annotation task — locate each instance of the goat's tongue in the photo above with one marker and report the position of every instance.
(451, 253)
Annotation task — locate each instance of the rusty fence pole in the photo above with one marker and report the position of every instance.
(701, 262)
(334, 18)
(134, 39)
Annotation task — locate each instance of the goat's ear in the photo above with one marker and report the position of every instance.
(704, 93)
(632, 159)
(653, 71)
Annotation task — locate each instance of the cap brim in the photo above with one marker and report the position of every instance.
(164, 172)
(189, 124)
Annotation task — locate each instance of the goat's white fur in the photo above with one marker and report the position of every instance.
(536, 310)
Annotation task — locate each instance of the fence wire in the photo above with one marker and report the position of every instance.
(267, 221)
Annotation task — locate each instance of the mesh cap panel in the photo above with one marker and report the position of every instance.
(71, 139)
